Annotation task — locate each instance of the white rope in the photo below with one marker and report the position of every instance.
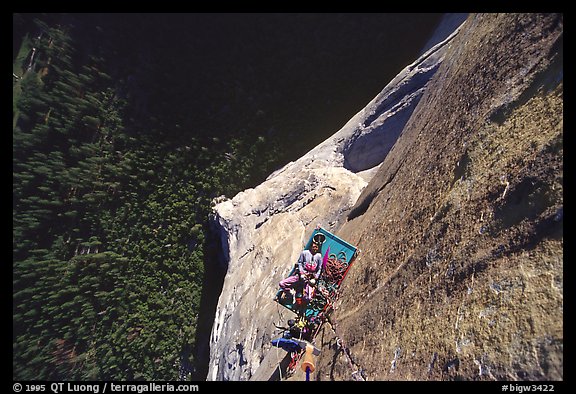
(277, 356)
(278, 361)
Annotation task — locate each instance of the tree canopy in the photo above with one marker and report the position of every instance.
(109, 218)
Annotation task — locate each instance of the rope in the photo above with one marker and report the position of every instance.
(295, 356)
(278, 360)
(357, 372)
(277, 347)
(335, 267)
(279, 313)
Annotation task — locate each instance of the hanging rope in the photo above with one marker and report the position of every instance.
(295, 356)
(277, 348)
(278, 360)
(357, 372)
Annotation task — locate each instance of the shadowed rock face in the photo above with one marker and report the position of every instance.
(450, 183)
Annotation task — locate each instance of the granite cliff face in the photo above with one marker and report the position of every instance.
(450, 183)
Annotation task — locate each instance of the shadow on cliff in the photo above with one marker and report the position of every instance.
(214, 273)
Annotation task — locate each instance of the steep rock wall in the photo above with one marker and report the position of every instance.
(460, 226)
(264, 229)
(461, 275)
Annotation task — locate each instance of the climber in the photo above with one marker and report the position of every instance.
(309, 268)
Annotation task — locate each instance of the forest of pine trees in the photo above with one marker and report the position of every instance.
(125, 129)
(110, 213)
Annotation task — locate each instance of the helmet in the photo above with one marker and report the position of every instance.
(319, 239)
